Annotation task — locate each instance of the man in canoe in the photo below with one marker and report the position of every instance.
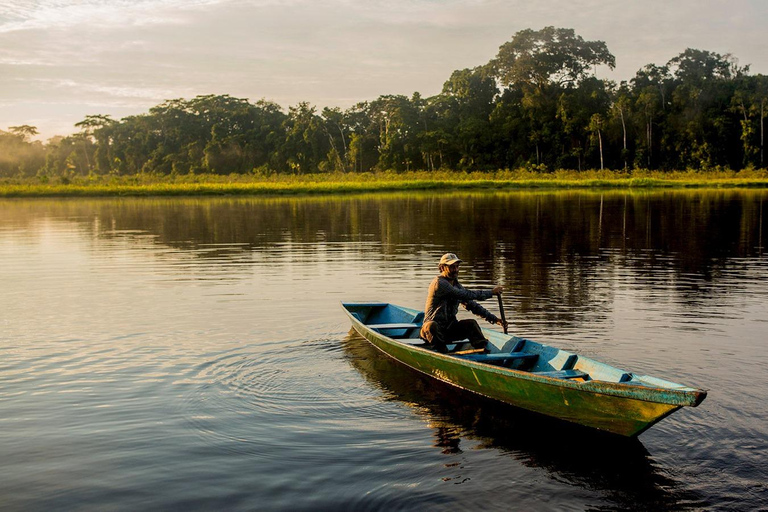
(445, 294)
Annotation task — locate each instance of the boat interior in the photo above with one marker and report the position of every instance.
(503, 350)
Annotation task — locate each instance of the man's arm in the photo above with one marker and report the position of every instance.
(462, 294)
(480, 311)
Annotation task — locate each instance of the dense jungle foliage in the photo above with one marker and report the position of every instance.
(537, 105)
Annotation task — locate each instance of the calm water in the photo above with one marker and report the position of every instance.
(191, 353)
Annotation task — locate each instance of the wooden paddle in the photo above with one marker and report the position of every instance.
(503, 318)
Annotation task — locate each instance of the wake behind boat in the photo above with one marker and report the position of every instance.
(528, 374)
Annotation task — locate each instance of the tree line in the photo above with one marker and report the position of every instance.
(536, 104)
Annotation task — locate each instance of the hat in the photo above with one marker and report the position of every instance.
(449, 259)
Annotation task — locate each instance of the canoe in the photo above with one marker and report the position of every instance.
(527, 374)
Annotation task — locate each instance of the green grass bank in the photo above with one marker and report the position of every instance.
(338, 183)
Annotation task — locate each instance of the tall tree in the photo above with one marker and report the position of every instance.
(336, 129)
(306, 145)
(558, 56)
(620, 110)
(467, 103)
(596, 123)
(24, 131)
(97, 129)
(18, 155)
(541, 65)
(749, 101)
(701, 113)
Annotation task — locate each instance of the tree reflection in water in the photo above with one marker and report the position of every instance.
(539, 244)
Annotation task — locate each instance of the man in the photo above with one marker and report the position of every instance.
(445, 294)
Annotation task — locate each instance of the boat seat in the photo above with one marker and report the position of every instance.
(564, 374)
(414, 342)
(502, 359)
(407, 329)
(394, 326)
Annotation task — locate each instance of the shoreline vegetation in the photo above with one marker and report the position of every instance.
(536, 107)
(344, 183)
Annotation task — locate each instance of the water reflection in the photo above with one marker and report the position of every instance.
(551, 250)
(516, 226)
(621, 469)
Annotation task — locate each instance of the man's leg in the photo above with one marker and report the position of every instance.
(433, 335)
(471, 330)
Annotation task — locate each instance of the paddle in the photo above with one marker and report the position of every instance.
(503, 318)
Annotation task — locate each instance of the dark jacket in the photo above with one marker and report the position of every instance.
(444, 298)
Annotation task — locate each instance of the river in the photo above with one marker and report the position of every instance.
(191, 353)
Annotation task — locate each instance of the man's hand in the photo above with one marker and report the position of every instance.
(502, 323)
(498, 290)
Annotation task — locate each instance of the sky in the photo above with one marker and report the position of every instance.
(61, 60)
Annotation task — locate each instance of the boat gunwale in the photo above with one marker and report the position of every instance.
(681, 397)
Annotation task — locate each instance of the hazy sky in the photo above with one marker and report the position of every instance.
(63, 59)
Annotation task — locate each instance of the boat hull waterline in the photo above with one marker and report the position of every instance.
(559, 384)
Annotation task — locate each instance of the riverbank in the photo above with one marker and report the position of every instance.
(338, 183)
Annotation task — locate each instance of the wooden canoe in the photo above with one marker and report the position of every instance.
(527, 374)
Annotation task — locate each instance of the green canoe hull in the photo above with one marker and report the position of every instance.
(627, 410)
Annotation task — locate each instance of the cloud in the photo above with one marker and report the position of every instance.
(109, 91)
(48, 14)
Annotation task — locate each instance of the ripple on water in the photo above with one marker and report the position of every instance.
(273, 398)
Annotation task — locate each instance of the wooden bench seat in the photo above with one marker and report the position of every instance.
(502, 359)
(564, 374)
(394, 326)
